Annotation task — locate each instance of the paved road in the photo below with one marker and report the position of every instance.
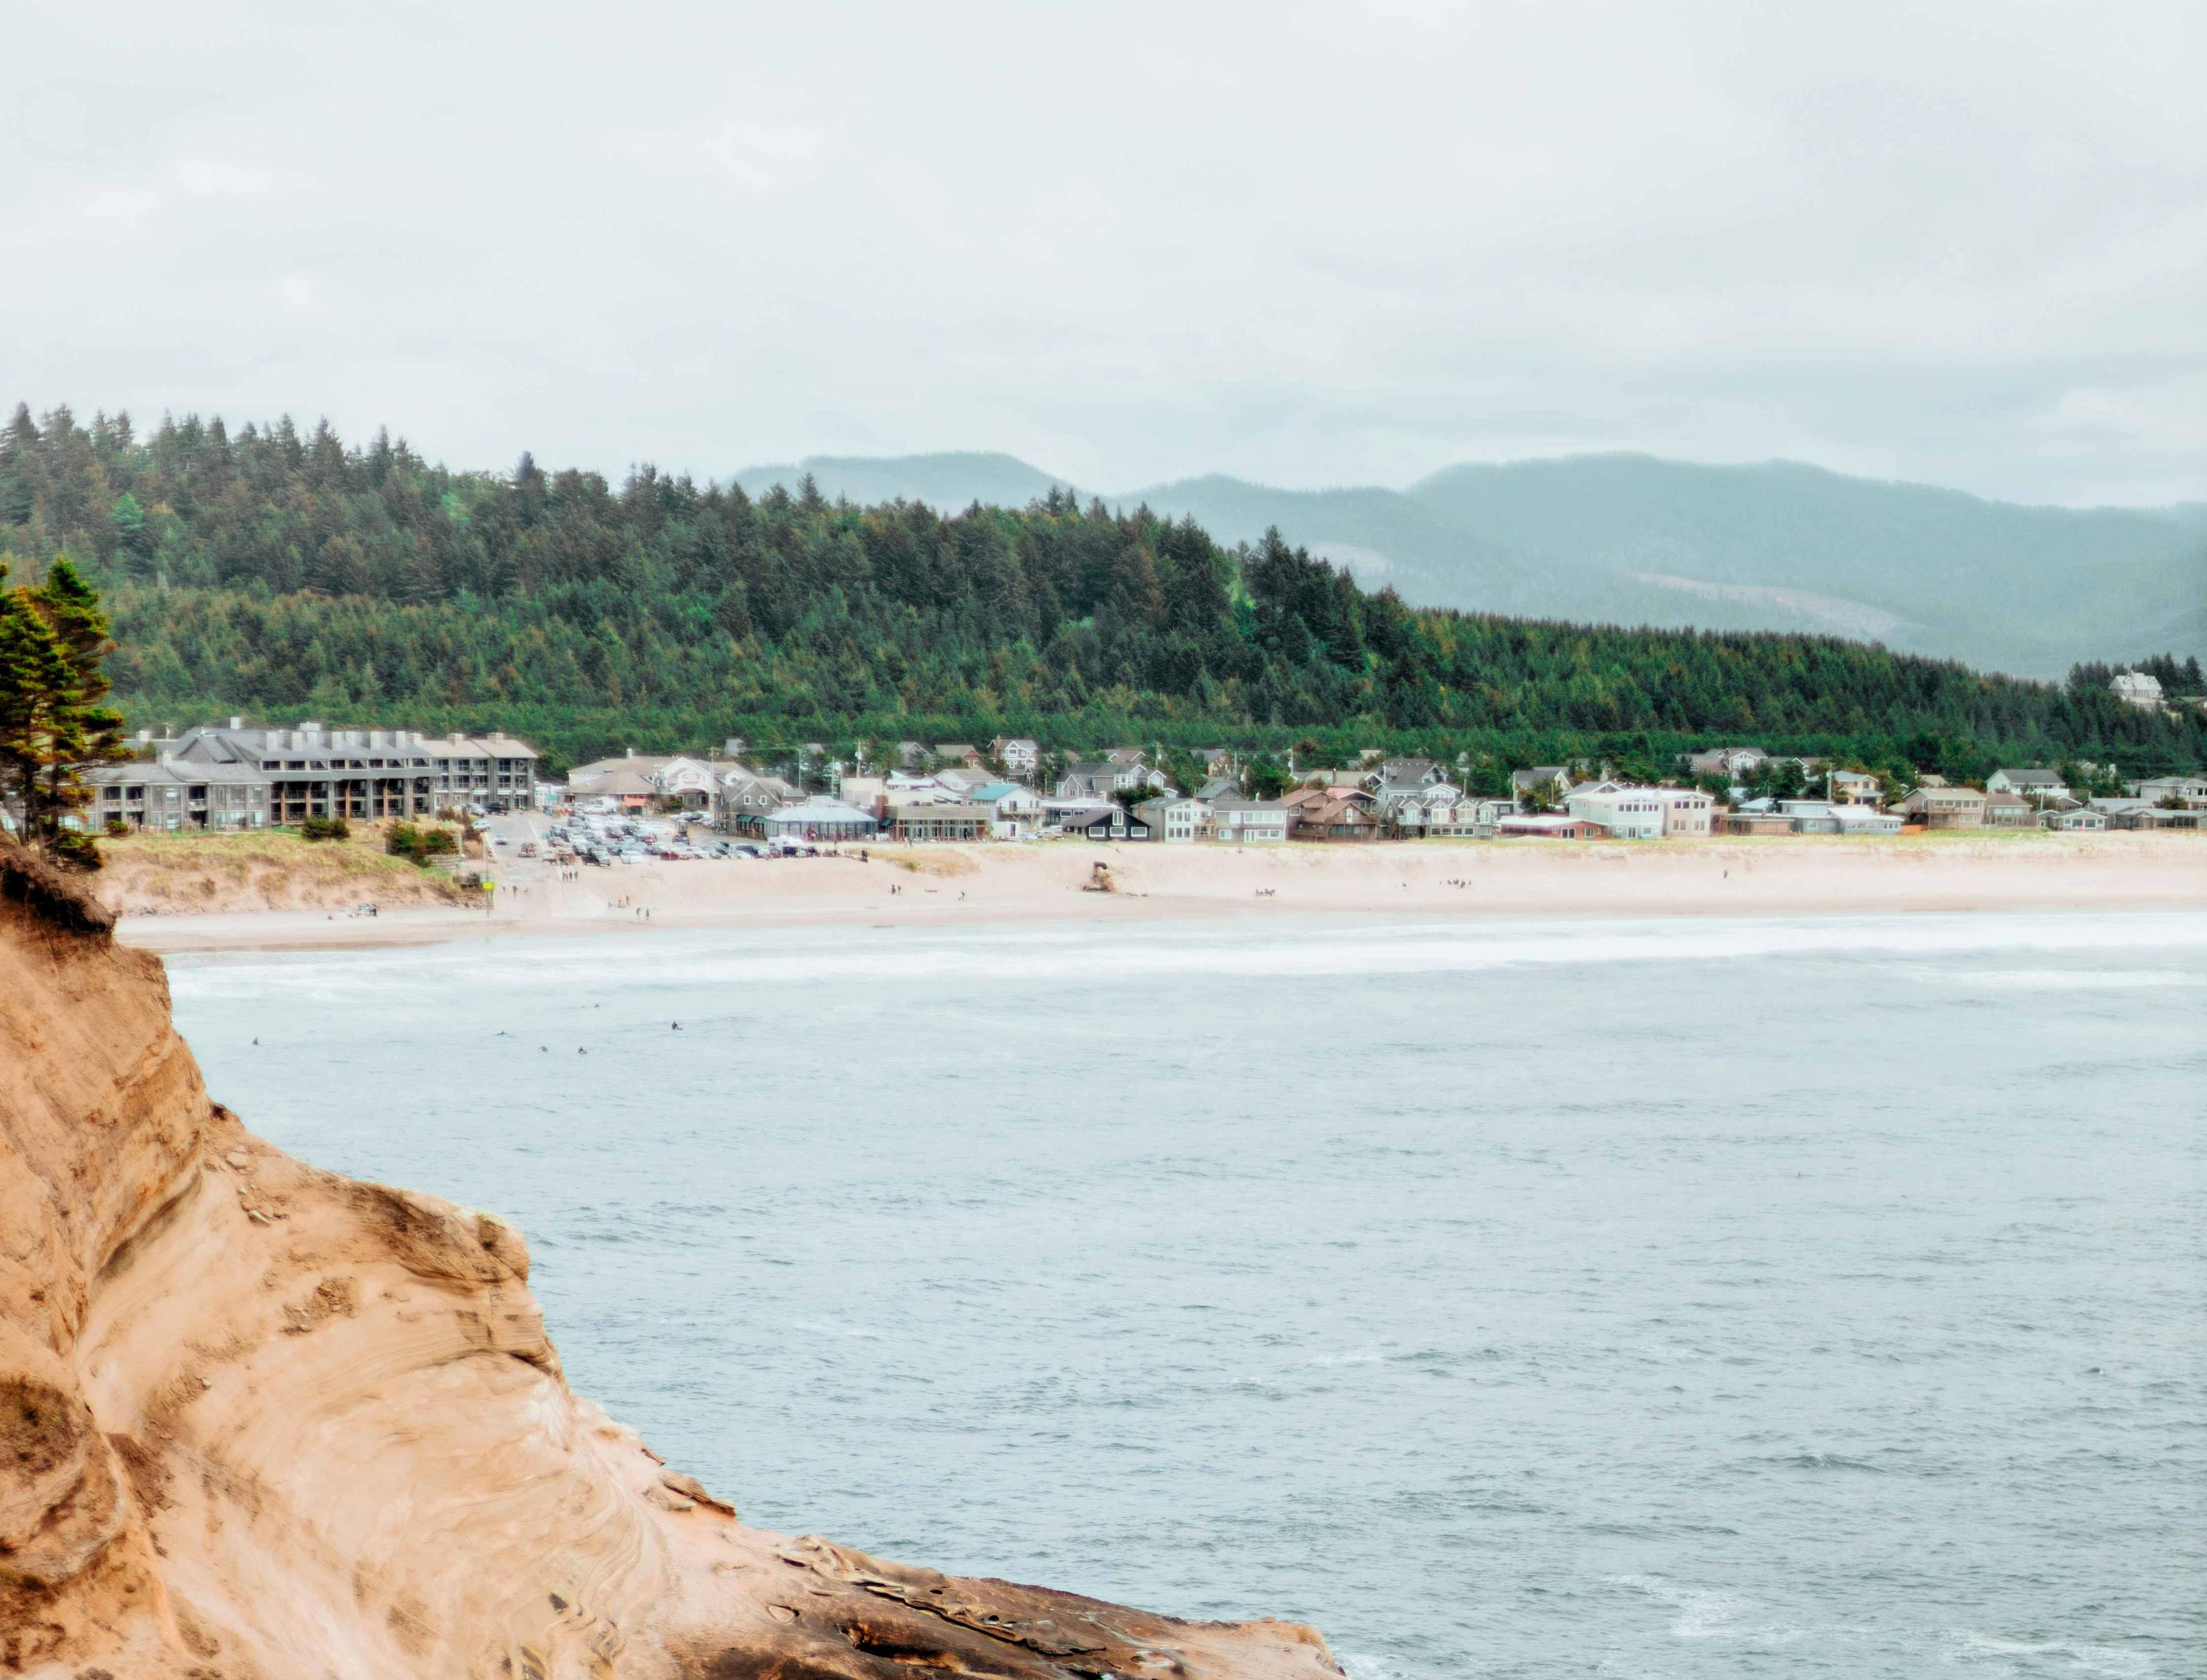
(524, 884)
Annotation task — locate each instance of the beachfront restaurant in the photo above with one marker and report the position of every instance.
(817, 820)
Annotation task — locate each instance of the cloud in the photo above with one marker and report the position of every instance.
(1315, 244)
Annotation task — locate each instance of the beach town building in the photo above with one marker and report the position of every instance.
(817, 819)
(2187, 791)
(639, 782)
(1173, 818)
(2041, 785)
(628, 785)
(1443, 811)
(1763, 821)
(2145, 815)
(1809, 816)
(164, 797)
(494, 771)
(1943, 807)
(960, 780)
(1056, 811)
(1100, 777)
(2076, 819)
(1014, 811)
(1550, 781)
(1239, 822)
(1687, 812)
(958, 821)
(1822, 816)
(912, 787)
(866, 793)
(1403, 777)
(232, 778)
(1020, 754)
(743, 800)
(2009, 810)
(1625, 813)
(1852, 787)
(1331, 814)
(1102, 823)
(1867, 820)
(1541, 825)
(1732, 762)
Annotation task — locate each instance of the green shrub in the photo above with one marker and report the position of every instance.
(325, 828)
(419, 845)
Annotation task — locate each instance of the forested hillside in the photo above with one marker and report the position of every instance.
(284, 574)
(1631, 538)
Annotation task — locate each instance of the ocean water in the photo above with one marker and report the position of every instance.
(1691, 1297)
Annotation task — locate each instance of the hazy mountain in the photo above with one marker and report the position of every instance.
(1636, 540)
(2013, 587)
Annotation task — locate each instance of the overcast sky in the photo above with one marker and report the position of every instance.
(1957, 242)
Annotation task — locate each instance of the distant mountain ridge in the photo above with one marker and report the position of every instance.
(1634, 539)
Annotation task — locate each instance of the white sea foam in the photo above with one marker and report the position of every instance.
(2053, 1656)
(2065, 979)
(1362, 1665)
(1708, 1615)
(678, 961)
(826, 1327)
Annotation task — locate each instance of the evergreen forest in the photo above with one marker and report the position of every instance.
(285, 575)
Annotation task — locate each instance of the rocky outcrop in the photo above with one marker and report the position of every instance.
(258, 1419)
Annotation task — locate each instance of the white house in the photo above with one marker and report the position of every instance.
(2135, 688)
(1173, 818)
(1686, 810)
(1018, 811)
(691, 781)
(2187, 791)
(1017, 753)
(2042, 786)
(1629, 813)
(1246, 822)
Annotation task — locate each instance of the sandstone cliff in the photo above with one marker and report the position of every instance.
(258, 1419)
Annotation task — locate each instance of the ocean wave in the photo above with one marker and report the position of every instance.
(678, 961)
(2049, 1656)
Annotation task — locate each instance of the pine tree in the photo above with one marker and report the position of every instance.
(33, 674)
(54, 643)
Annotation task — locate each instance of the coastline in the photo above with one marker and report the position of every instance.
(946, 885)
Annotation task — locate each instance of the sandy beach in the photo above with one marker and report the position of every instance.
(944, 885)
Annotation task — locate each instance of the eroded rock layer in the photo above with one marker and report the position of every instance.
(258, 1419)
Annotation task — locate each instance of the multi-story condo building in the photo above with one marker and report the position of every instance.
(239, 777)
